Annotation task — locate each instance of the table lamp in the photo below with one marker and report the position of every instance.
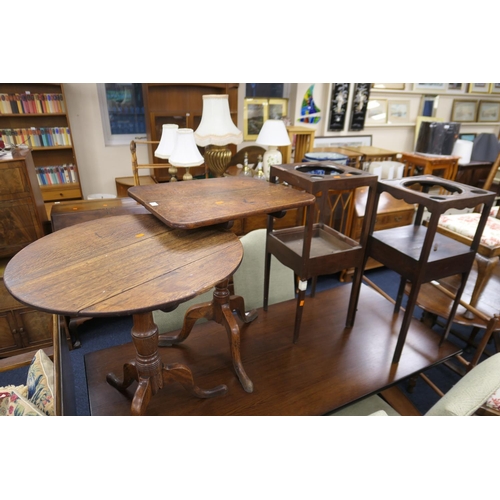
(186, 153)
(216, 131)
(272, 134)
(166, 146)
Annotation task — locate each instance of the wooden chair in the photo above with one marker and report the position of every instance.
(462, 226)
(135, 164)
(64, 402)
(303, 137)
(253, 154)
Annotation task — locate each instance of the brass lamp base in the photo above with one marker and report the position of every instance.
(217, 159)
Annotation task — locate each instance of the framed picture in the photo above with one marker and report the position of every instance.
(338, 106)
(464, 111)
(428, 105)
(467, 137)
(255, 113)
(359, 106)
(277, 108)
(376, 112)
(479, 88)
(456, 88)
(398, 111)
(344, 141)
(388, 86)
(495, 88)
(429, 86)
(489, 111)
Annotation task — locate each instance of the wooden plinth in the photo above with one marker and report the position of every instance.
(329, 367)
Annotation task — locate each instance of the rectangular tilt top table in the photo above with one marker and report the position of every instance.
(206, 202)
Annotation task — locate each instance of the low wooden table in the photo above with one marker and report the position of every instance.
(127, 265)
(331, 367)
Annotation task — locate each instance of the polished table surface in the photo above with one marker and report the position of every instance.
(129, 264)
(206, 202)
(329, 367)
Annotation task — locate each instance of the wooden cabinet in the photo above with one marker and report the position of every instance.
(23, 218)
(21, 328)
(36, 114)
(181, 104)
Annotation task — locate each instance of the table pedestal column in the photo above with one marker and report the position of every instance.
(220, 310)
(149, 371)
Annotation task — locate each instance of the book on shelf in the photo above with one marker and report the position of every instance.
(37, 137)
(56, 174)
(28, 103)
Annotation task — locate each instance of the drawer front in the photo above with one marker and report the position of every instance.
(388, 221)
(60, 194)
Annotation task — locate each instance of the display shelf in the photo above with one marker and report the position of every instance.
(42, 123)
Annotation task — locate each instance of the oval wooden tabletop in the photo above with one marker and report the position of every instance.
(120, 265)
(205, 202)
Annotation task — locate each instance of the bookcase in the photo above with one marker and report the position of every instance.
(181, 104)
(35, 114)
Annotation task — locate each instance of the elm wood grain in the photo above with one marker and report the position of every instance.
(207, 202)
(331, 366)
(129, 264)
(419, 253)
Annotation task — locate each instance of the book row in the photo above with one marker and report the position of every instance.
(20, 104)
(37, 137)
(57, 174)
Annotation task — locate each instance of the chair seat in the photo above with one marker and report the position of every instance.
(465, 225)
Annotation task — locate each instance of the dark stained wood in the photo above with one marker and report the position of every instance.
(419, 253)
(320, 248)
(330, 366)
(206, 202)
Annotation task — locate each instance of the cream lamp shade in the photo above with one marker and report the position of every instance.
(185, 153)
(216, 126)
(272, 134)
(167, 141)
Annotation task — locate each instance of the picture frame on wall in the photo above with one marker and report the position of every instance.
(338, 106)
(398, 111)
(376, 112)
(489, 111)
(255, 113)
(343, 141)
(278, 108)
(429, 86)
(456, 88)
(388, 86)
(464, 111)
(495, 88)
(359, 106)
(467, 137)
(479, 88)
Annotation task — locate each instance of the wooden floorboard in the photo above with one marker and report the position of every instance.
(329, 367)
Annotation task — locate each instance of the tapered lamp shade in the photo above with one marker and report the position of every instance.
(167, 141)
(216, 126)
(272, 134)
(185, 153)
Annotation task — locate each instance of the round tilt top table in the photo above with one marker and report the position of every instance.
(130, 264)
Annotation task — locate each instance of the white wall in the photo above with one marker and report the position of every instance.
(99, 165)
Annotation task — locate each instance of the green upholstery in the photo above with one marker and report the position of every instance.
(248, 282)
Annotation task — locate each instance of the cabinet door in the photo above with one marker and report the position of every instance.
(10, 340)
(35, 328)
(18, 226)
